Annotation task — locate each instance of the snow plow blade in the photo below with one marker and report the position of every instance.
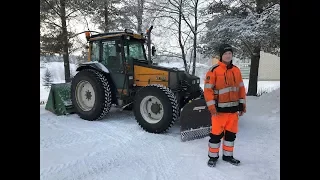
(59, 100)
(195, 120)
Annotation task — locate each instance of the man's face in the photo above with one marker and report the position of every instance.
(227, 56)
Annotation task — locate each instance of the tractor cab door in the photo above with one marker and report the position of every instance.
(113, 58)
(111, 55)
(134, 53)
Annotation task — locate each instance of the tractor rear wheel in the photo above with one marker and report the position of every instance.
(155, 108)
(91, 94)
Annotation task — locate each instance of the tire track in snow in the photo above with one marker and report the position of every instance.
(67, 140)
(165, 163)
(127, 159)
(98, 132)
(90, 164)
(97, 162)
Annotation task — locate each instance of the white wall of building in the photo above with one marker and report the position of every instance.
(269, 68)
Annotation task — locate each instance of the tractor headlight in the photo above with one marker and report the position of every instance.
(193, 81)
(198, 81)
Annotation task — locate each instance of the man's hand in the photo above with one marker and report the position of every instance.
(243, 110)
(212, 110)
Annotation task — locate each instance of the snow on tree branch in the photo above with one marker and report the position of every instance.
(254, 29)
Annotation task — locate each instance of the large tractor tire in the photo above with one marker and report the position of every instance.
(155, 108)
(91, 95)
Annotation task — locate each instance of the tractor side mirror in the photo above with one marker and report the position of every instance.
(153, 50)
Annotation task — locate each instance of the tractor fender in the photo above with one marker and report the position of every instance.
(93, 65)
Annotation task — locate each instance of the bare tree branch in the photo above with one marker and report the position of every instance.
(187, 23)
(188, 35)
(164, 7)
(52, 23)
(53, 8)
(193, 3)
(172, 29)
(190, 14)
(198, 32)
(165, 16)
(174, 5)
(58, 4)
(72, 13)
(173, 12)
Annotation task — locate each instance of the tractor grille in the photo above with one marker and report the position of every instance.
(184, 85)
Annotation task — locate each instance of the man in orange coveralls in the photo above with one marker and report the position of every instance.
(225, 95)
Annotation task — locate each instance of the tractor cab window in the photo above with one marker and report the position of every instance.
(95, 51)
(111, 54)
(136, 51)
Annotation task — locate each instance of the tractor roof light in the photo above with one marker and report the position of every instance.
(87, 33)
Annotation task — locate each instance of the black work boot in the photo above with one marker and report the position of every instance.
(231, 160)
(212, 162)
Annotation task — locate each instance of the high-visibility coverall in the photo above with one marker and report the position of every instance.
(225, 94)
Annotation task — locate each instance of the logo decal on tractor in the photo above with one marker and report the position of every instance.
(163, 78)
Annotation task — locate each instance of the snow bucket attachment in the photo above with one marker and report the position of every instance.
(195, 120)
(59, 100)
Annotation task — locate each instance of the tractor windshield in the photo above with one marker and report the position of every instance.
(136, 51)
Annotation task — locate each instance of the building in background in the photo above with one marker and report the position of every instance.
(269, 67)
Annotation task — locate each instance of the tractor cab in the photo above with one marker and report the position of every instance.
(117, 51)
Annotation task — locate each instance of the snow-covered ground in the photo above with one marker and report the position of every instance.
(116, 148)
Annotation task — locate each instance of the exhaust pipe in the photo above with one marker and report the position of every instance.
(149, 44)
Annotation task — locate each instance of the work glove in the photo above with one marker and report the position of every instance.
(243, 110)
(212, 110)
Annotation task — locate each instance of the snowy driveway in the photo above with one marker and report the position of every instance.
(116, 148)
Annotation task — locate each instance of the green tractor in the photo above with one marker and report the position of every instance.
(118, 73)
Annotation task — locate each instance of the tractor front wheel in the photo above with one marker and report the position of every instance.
(155, 108)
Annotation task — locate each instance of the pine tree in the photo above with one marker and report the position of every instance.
(47, 79)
